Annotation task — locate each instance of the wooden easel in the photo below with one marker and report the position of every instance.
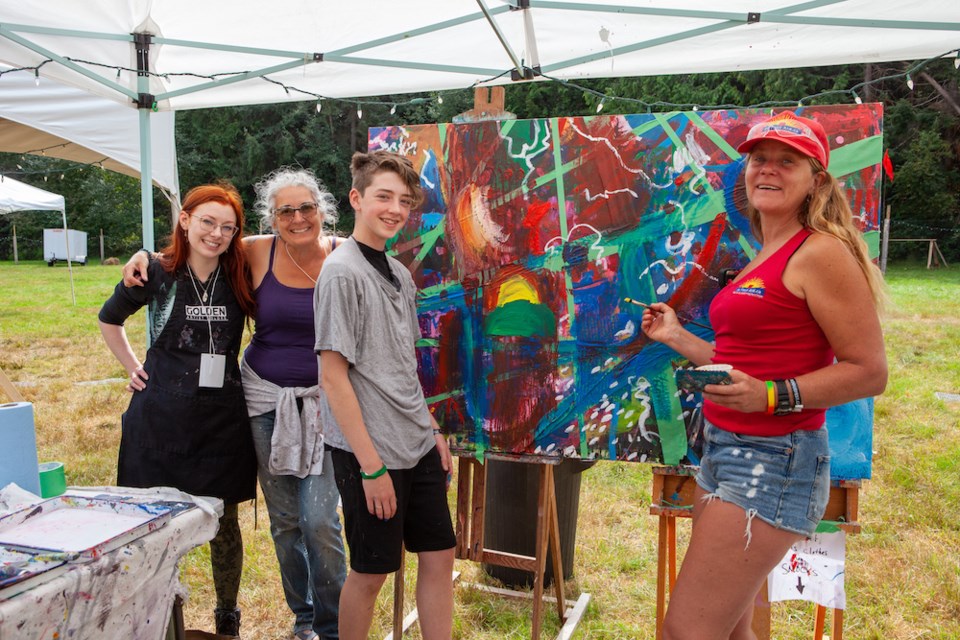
(471, 503)
(933, 250)
(672, 498)
(9, 389)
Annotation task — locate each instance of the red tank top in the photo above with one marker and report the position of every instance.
(767, 332)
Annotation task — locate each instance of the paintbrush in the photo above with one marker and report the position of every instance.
(686, 320)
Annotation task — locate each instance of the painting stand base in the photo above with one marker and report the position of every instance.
(471, 500)
(673, 490)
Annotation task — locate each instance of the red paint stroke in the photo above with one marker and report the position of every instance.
(695, 280)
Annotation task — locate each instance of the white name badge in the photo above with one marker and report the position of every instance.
(212, 367)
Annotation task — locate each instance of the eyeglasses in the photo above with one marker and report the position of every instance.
(208, 225)
(286, 213)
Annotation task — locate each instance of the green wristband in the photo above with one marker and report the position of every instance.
(374, 475)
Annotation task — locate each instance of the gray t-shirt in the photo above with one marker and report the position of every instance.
(362, 316)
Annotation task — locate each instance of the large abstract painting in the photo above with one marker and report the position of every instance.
(533, 234)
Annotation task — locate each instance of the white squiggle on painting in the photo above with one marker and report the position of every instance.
(530, 151)
(616, 153)
(627, 332)
(560, 239)
(401, 147)
(692, 155)
(606, 194)
(423, 171)
(683, 211)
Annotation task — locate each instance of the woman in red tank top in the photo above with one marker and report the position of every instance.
(801, 329)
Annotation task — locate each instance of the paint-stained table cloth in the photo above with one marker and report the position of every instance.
(127, 593)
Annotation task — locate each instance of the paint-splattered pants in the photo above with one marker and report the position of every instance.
(226, 558)
(306, 535)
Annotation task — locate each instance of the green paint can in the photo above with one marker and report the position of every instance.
(53, 481)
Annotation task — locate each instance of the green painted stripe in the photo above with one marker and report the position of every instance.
(855, 156)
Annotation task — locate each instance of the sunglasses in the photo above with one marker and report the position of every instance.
(286, 213)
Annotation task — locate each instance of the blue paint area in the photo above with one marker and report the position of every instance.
(851, 439)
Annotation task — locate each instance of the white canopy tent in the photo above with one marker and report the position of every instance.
(17, 196)
(184, 54)
(56, 120)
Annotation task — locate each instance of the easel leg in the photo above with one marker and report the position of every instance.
(819, 619)
(662, 573)
(761, 613)
(398, 597)
(837, 632)
(554, 528)
(543, 514)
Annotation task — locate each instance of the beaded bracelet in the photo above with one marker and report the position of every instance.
(374, 475)
(771, 398)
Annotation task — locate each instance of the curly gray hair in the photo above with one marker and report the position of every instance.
(284, 177)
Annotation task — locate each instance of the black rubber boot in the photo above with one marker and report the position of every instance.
(228, 621)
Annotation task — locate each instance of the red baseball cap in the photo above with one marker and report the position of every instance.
(803, 134)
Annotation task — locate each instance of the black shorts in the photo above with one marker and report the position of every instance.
(422, 521)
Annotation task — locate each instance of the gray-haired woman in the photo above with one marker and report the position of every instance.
(279, 371)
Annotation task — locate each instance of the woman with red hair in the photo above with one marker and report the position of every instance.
(187, 425)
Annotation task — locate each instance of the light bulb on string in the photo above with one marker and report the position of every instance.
(856, 98)
(956, 61)
(319, 105)
(36, 77)
(909, 82)
(118, 73)
(359, 112)
(696, 107)
(393, 110)
(600, 105)
(439, 99)
(44, 178)
(62, 176)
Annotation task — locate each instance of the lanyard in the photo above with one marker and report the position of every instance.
(206, 312)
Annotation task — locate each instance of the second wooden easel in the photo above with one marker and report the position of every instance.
(471, 503)
(672, 498)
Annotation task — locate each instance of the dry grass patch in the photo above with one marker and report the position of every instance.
(903, 579)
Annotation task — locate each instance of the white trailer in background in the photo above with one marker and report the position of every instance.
(57, 243)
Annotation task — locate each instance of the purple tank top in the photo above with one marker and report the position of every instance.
(281, 350)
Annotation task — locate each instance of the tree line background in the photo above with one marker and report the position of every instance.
(242, 144)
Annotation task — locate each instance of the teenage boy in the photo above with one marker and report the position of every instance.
(389, 458)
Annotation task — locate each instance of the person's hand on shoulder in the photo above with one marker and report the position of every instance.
(135, 270)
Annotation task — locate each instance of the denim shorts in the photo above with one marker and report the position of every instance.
(783, 480)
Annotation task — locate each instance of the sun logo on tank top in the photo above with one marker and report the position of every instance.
(751, 287)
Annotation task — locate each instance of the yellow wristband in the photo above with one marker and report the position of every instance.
(771, 398)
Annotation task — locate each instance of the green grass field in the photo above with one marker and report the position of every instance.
(903, 570)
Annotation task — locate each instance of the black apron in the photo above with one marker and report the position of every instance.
(176, 433)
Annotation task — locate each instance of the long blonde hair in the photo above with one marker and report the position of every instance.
(827, 211)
